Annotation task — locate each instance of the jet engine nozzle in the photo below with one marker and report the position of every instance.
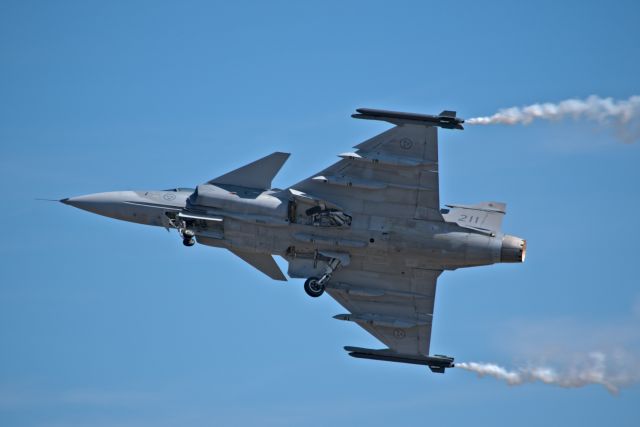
(514, 249)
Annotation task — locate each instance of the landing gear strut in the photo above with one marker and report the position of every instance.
(315, 287)
(188, 236)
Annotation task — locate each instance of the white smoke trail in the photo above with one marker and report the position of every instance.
(619, 113)
(593, 370)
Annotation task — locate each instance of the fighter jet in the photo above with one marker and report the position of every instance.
(368, 230)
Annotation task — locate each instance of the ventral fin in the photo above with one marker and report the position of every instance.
(263, 262)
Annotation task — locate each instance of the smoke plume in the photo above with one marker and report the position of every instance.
(596, 368)
(622, 114)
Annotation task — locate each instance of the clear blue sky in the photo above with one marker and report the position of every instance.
(105, 323)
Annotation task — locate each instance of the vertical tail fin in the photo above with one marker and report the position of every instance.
(486, 216)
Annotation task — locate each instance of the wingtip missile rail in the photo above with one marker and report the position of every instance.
(437, 363)
(446, 119)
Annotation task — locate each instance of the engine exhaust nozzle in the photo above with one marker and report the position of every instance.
(514, 249)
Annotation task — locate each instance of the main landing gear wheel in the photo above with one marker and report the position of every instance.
(313, 287)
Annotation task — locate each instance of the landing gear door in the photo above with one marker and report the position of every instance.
(306, 267)
(202, 225)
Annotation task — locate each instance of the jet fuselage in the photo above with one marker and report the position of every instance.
(259, 221)
(369, 229)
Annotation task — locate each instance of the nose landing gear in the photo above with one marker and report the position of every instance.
(187, 237)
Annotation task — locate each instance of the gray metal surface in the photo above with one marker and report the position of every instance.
(368, 229)
(258, 174)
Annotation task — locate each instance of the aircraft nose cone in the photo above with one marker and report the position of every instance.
(89, 202)
(107, 204)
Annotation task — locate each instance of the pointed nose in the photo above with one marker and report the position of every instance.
(90, 202)
(108, 204)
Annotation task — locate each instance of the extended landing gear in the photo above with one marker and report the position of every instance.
(315, 287)
(187, 237)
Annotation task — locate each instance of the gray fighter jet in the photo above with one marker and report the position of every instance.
(368, 230)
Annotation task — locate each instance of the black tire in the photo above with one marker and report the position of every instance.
(312, 288)
(189, 242)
